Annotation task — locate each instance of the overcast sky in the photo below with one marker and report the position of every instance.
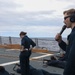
(39, 18)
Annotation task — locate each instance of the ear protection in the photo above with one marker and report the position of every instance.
(72, 18)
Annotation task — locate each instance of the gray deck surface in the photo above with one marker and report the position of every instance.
(7, 56)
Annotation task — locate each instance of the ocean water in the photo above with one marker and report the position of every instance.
(48, 43)
(44, 43)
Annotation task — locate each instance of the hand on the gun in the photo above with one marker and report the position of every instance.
(58, 38)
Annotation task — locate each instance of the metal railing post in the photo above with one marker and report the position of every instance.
(0, 40)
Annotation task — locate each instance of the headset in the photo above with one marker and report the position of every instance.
(72, 18)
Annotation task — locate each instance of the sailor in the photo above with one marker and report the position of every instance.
(26, 46)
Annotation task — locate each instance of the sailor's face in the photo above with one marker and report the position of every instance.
(67, 20)
(21, 36)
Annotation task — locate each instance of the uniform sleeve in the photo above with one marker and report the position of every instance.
(32, 43)
(70, 66)
(62, 45)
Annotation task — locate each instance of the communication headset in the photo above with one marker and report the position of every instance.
(72, 18)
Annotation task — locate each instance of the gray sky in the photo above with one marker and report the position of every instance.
(39, 18)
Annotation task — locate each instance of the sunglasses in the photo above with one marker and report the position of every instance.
(66, 17)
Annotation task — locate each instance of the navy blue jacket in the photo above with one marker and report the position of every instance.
(26, 42)
(70, 56)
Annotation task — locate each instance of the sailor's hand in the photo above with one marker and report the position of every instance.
(30, 48)
(58, 38)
